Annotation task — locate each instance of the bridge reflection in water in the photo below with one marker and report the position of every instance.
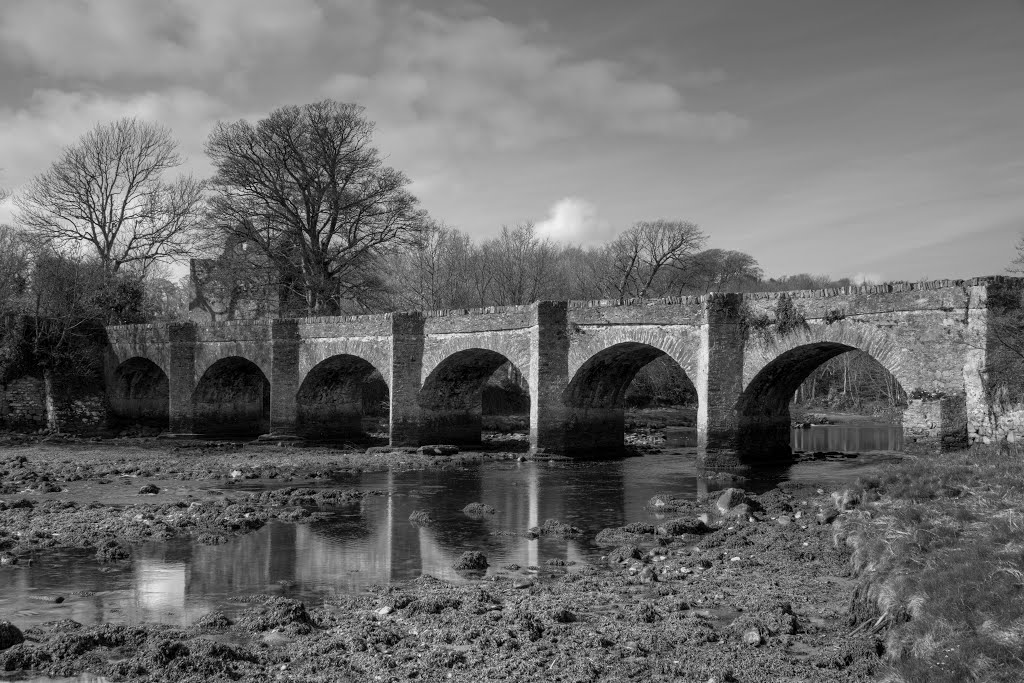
(177, 581)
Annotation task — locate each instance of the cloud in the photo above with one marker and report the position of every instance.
(575, 221)
(442, 87)
(866, 278)
(475, 79)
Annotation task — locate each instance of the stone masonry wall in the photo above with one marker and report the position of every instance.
(22, 406)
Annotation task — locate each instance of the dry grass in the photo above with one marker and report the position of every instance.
(940, 557)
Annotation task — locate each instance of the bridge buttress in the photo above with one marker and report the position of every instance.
(720, 378)
(284, 375)
(549, 376)
(182, 376)
(405, 371)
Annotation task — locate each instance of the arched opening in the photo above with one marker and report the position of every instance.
(138, 395)
(343, 397)
(825, 383)
(232, 398)
(452, 398)
(605, 386)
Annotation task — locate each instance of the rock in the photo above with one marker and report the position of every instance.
(552, 527)
(827, 516)
(7, 559)
(385, 610)
(740, 512)
(420, 518)
(438, 449)
(478, 510)
(149, 489)
(10, 635)
(729, 499)
(648, 575)
(522, 583)
(471, 560)
(784, 520)
(112, 551)
(623, 553)
(752, 637)
(678, 527)
(563, 616)
(214, 621)
(614, 536)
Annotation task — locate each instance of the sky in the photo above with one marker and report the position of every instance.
(872, 139)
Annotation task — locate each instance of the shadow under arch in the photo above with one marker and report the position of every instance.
(595, 398)
(763, 409)
(336, 395)
(232, 398)
(139, 394)
(451, 398)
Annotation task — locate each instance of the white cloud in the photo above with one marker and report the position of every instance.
(575, 221)
(866, 278)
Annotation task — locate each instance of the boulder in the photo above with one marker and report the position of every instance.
(478, 510)
(10, 635)
(623, 553)
(471, 560)
(729, 499)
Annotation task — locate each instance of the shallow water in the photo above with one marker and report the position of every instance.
(176, 582)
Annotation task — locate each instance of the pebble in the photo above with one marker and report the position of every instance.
(752, 637)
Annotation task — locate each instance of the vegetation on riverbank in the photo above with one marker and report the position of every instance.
(938, 547)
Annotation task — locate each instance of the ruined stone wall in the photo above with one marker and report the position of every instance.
(22, 405)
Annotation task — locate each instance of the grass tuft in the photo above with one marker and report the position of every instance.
(940, 560)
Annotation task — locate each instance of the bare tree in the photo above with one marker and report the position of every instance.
(307, 189)
(646, 252)
(107, 195)
(719, 270)
(433, 274)
(1017, 264)
(15, 265)
(523, 265)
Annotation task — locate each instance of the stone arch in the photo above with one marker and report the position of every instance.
(450, 398)
(775, 369)
(682, 346)
(209, 356)
(512, 345)
(863, 336)
(139, 393)
(336, 394)
(232, 398)
(595, 396)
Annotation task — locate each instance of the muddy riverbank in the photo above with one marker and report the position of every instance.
(757, 591)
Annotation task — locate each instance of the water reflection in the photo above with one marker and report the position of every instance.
(848, 438)
(178, 581)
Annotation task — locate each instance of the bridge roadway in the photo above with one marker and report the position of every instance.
(305, 375)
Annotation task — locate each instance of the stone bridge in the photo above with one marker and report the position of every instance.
(744, 353)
